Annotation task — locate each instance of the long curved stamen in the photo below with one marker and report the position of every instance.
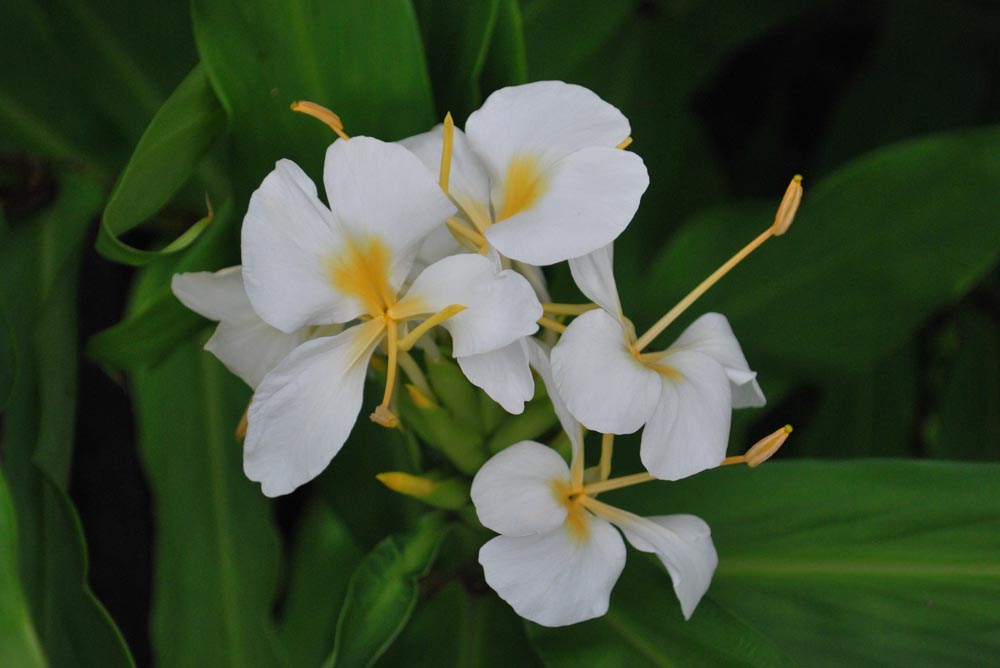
(549, 323)
(465, 235)
(410, 339)
(568, 309)
(392, 332)
(783, 219)
(607, 450)
(617, 483)
(322, 114)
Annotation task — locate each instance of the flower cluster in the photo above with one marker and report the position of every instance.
(448, 230)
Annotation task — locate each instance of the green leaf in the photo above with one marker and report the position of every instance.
(216, 550)
(644, 627)
(461, 444)
(40, 258)
(458, 395)
(176, 140)
(867, 563)
(325, 557)
(875, 249)
(8, 358)
(458, 628)
(383, 593)
(457, 39)
(967, 420)
(506, 60)
(262, 56)
(537, 418)
(154, 326)
(19, 644)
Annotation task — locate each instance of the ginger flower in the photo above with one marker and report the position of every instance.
(682, 395)
(306, 265)
(538, 174)
(559, 552)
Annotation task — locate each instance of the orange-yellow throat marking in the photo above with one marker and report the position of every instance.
(577, 522)
(524, 186)
(361, 269)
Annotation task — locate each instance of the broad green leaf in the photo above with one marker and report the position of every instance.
(19, 644)
(644, 628)
(324, 559)
(457, 628)
(40, 258)
(176, 140)
(866, 563)
(362, 59)
(457, 40)
(383, 593)
(876, 248)
(155, 326)
(868, 414)
(966, 424)
(506, 61)
(217, 551)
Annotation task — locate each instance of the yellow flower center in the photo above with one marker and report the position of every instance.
(577, 519)
(361, 269)
(524, 186)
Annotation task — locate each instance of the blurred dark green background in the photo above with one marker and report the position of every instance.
(874, 324)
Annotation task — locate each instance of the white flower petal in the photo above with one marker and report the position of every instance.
(538, 356)
(382, 191)
(595, 276)
(287, 239)
(550, 118)
(468, 181)
(515, 491)
(439, 244)
(555, 578)
(684, 544)
(216, 296)
(587, 200)
(500, 308)
(712, 335)
(304, 410)
(248, 346)
(604, 386)
(689, 430)
(503, 374)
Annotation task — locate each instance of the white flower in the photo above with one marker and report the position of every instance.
(248, 346)
(559, 555)
(307, 265)
(537, 173)
(683, 395)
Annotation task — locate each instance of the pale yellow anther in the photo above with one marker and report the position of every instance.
(322, 114)
(384, 417)
(625, 143)
(407, 484)
(789, 205)
(419, 398)
(765, 448)
(448, 137)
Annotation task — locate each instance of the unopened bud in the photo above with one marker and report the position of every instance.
(765, 448)
(384, 417)
(419, 398)
(789, 205)
(447, 493)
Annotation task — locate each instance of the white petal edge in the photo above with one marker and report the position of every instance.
(514, 491)
(304, 410)
(500, 307)
(689, 430)
(712, 335)
(603, 385)
(552, 578)
(381, 190)
(548, 118)
(683, 543)
(287, 237)
(538, 358)
(591, 197)
(594, 274)
(503, 374)
(216, 296)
